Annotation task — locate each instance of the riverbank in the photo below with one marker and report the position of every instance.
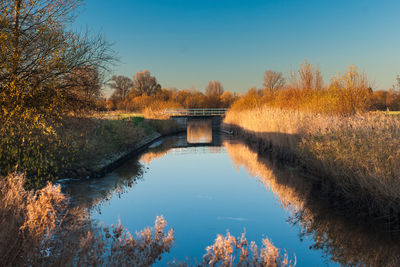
(353, 159)
(105, 142)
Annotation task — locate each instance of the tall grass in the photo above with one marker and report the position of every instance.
(362, 155)
(359, 154)
(39, 228)
(237, 251)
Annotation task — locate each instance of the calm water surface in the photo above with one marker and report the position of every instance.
(206, 190)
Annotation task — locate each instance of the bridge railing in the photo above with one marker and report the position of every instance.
(193, 112)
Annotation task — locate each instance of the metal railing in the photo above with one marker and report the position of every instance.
(193, 112)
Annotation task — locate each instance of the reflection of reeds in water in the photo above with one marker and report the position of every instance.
(199, 131)
(344, 240)
(159, 151)
(93, 192)
(357, 157)
(284, 189)
(150, 156)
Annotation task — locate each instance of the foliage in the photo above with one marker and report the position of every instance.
(387, 100)
(28, 143)
(45, 69)
(153, 105)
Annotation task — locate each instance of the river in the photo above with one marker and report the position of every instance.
(205, 184)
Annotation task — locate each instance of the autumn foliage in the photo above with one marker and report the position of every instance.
(347, 94)
(144, 94)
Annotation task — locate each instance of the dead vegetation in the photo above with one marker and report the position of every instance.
(39, 228)
(329, 131)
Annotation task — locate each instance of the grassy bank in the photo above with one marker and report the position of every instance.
(357, 156)
(74, 146)
(102, 139)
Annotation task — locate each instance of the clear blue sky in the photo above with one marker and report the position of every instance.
(189, 42)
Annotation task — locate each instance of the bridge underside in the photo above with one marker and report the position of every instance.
(185, 121)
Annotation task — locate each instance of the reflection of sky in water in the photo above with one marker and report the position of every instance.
(201, 194)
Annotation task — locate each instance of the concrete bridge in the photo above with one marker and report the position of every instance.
(183, 117)
(196, 112)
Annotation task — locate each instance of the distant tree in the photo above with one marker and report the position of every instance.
(214, 88)
(352, 90)
(227, 99)
(144, 83)
(306, 75)
(318, 81)
(273, 80)
(121, 86)
(86, 82)
(396, 86)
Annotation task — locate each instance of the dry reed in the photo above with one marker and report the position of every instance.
(230, 251)
(359, 154)
(39, 228)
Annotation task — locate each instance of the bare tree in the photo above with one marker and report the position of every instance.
(214, 88)
(144, 83)
(306, 75)
(397, 85)
(318, 81)
(86, 82)
(273, 80)
(121, 85)
(38, 52)
(39, 55)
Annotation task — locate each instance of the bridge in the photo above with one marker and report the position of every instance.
(196, 112)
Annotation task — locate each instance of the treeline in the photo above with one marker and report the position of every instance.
(304, 89)
(143, 92)
(347, 93)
